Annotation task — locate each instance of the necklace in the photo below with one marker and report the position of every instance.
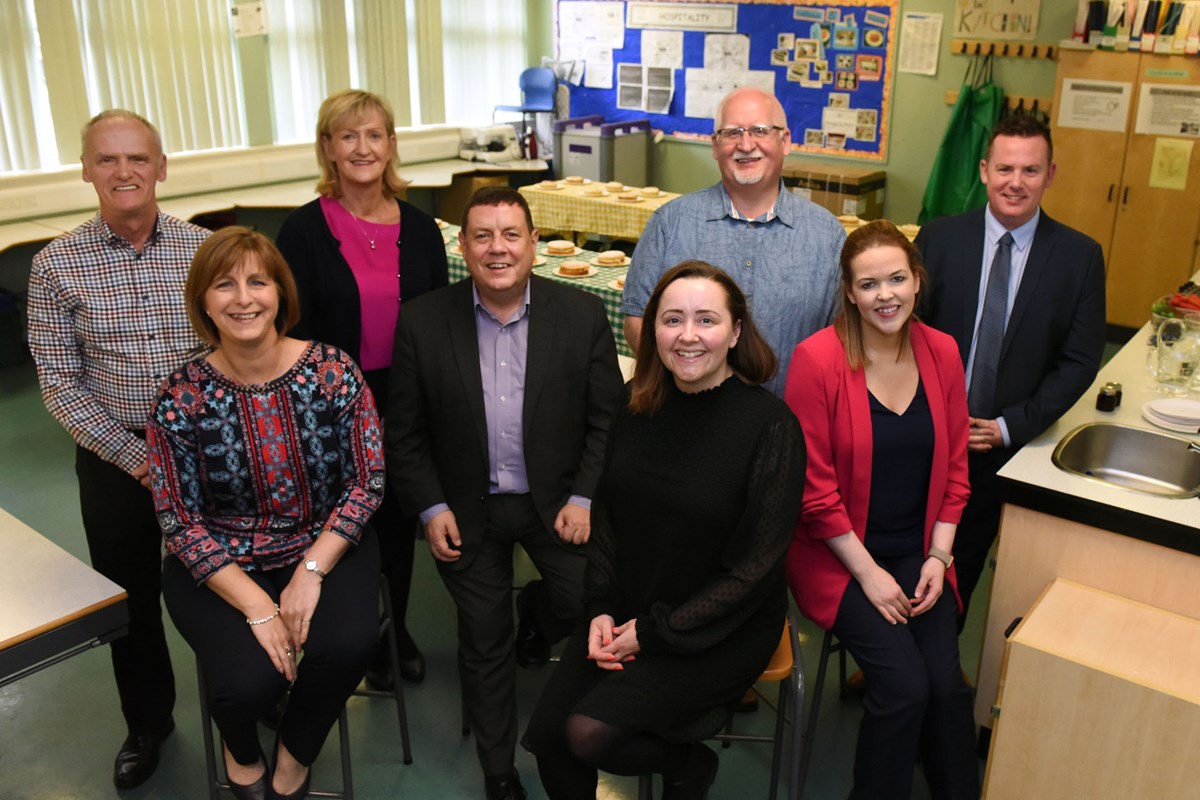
(227, 366)
(369, 238)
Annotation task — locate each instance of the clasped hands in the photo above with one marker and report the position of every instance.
(610, 645)
(284, 636)
(890, 600)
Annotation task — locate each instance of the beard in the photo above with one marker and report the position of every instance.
(746, 179)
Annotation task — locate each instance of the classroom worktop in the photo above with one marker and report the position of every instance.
(1034, 482)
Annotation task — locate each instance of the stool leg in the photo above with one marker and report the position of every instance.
(811, 725)
(394, 658)
(347, 773)
(645, 787)
(210, 757)
(777, 745)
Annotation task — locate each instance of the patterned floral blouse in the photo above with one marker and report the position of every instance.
(252, 474)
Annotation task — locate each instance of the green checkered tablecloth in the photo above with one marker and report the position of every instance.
(601, 283)
(569, 209)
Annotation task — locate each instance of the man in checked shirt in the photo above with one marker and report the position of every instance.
(106, 324)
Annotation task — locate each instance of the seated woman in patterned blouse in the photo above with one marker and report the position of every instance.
(266, 463)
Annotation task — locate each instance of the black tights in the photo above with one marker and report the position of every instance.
(592, 745)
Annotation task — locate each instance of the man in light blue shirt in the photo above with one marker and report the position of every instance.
(780, 248)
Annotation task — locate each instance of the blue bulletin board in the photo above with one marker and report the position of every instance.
(829, 63)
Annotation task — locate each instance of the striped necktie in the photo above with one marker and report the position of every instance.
(981, 397)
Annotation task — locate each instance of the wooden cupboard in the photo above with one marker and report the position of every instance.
(1103, 184)
(1099, 699)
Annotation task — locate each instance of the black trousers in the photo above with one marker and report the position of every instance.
(979, 525)
(243, 683)
(482, 593)
(916, 699)
(125, 544)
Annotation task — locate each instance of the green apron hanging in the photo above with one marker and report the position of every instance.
(954, 184)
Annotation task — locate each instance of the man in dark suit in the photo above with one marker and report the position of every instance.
(1024, 297)
(502, 389)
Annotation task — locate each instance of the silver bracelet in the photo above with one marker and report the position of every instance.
(264, 619)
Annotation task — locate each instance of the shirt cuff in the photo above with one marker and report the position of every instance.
(1004, 431)
(582, 502)
(432, 512)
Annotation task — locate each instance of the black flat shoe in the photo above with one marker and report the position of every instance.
(138, 757)
(251, 791)
(695, 778)
(299, 794)
(412, 669)
(532, 648)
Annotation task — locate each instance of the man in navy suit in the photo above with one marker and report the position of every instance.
(1024, 297)
(501, 392)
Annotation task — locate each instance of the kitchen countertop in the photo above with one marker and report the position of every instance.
(1032, 480)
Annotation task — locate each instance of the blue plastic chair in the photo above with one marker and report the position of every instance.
(538, 88)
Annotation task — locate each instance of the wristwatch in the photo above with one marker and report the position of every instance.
(311, 566)
(935, 552)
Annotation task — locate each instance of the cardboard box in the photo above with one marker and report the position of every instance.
(843, 189)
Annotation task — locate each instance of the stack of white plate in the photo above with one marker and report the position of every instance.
(1173, 413)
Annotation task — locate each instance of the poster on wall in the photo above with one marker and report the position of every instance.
(829, 63)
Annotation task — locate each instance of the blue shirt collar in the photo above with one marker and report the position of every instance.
(1022, 236)
(522, 311)
(721, 205)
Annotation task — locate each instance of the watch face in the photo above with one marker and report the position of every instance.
(311, 566)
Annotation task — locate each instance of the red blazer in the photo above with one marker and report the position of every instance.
(831, 403)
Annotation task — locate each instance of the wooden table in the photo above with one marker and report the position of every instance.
(602, 283)
(568, 209)
(52, 605)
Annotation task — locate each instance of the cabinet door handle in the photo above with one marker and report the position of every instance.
(1125, 197)
(1111, 186)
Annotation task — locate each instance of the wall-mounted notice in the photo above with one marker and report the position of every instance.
(829, 63)
(1168, 109)
(1094, 105)
(920, 43)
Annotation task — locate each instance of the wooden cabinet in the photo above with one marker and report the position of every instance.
(1102, 187)
(1099, 699)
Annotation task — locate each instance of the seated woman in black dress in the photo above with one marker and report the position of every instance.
(685, 596)
(266, 462)
(882, 401)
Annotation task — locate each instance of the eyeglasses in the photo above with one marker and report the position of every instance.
(756, 132)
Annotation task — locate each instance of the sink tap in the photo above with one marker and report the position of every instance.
(1194, 446)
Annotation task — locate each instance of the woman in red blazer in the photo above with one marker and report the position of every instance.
(882, 402)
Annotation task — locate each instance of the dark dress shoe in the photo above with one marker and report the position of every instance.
(531, 646)
(504, 787)
(138, 757)
(252, 791)
(694, 778)
(412, 669)
(299, 794)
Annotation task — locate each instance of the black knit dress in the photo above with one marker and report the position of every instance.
(690, 526)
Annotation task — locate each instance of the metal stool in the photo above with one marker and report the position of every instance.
(215, 785)
(828, 647)
(387, 633)
(787, 668)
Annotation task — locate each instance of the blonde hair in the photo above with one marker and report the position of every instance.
(342, 107)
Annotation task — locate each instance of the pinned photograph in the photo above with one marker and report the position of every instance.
(786, 41)
(836, 141)
(808, 48)
(865, 133)
(779, 58)
(845, 38)
(868, 116)
(845, 61)
(814, 137)
(869, 68)
(837, 100)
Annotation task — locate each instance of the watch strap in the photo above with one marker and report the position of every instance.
(941, 555)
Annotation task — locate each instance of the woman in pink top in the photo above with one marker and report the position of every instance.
(882, 402)
(359, 253)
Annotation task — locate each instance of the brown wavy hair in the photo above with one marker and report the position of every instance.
(848, 322)
(220, 254)
(752, 358)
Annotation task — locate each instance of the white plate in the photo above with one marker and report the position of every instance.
(1176, 409)
(614, 285)
(625, 262)
(1149, 415)
(575, 252)
(548, 187)
(597, 195)
(441, 223)
(591, 271)
(637, 199)
(539, 261)
(454, 249)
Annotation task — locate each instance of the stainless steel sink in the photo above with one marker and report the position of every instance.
(1136, 459)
